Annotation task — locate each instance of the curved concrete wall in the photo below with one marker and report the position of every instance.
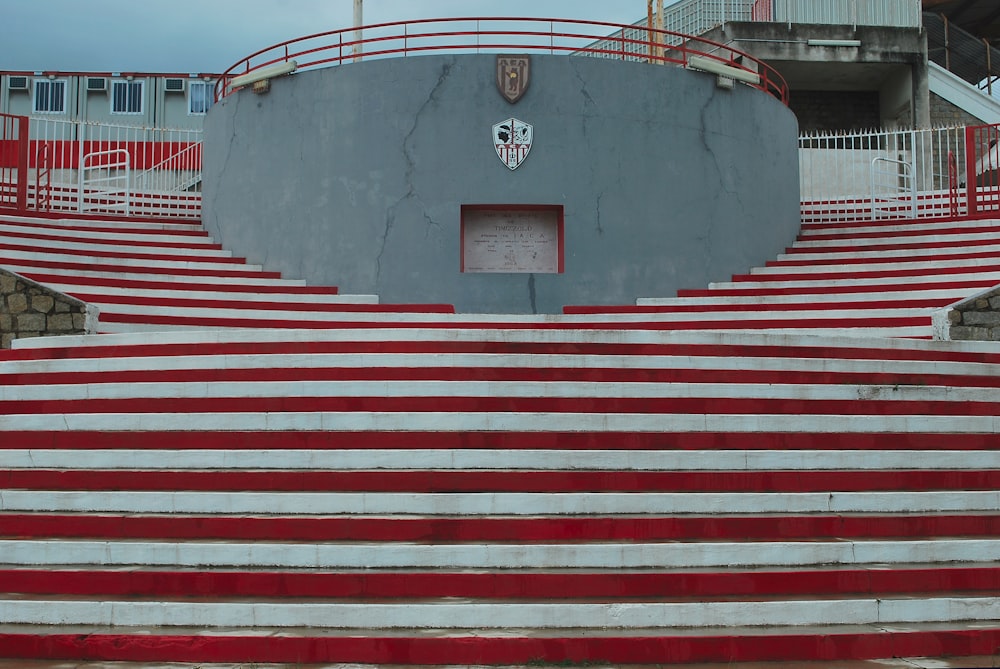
(355, 176)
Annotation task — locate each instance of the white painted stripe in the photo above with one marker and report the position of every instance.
(970, 237)
(84, 248)
(859, 268)
(247, 299)
(200, 280)
(71, 223)
(709, 318)
(455, 421)
(890, 253)
(925, 331)
(631, 555)
(497, 360)
(16, 231)
(712, 301)
(491, 615)
(517, 335)
(26, 257)
(897, 281)
(477, 459)
(969, 225)
(518, 389)
(494, 503)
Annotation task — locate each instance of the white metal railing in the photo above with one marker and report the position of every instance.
(164, 171)
(893, 189)
(837, 172)
(105, 178)
(889, 13)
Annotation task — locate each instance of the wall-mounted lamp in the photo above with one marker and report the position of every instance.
(834, 42)
(263, 74)
(715, 67)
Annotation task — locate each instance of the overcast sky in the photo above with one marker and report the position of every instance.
(180, 36)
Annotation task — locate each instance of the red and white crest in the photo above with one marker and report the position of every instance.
(512, 139)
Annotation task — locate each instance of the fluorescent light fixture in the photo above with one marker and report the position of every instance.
(263, 73)
(834, 42)
(715, 67)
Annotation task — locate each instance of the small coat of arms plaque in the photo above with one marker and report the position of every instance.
(513, 76)
(512, 139)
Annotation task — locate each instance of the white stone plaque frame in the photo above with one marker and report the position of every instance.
(512, 239)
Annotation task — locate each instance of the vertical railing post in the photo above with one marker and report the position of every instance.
(970, 170)
(22, 163)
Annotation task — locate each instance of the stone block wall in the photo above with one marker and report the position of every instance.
(976, 318)
(29, 309)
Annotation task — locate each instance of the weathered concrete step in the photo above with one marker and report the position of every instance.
(114, 237)
(733, 526)
(986, 252)
(177, 264)
(939, 264)
(615, 647)
(150, 225)
(844, 289)
(294, 461)
(754, 304)
(898, 228)
(495, 616)
(143, 278)
(830, 284)
(502, 585)
(422, 480)
(498, 503)
(924, 240)
(507, 555)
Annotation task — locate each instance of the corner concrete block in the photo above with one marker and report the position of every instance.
(17, 303)
(42, 303)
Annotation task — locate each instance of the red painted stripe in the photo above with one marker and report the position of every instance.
(796, 261)
(850, 273)
(175, 271)
(67, 215)
(423, 481)
(329, 440)
(320, 307)
(109, 242)
(497, 585)
(881, 288)
(480, 649)
(504, 529)
(848, 248)
(451, 346)
(139, 284)
(955, 230)
(492, 404)
(175, 228)
(862, 320)
(90, 253)
(590, 374)
(770, 306)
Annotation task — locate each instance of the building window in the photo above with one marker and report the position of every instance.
(201, 94)
(126, 97)
(50, 97)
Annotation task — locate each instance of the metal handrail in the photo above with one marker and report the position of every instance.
(111, 191)
(900, 194)
(494, 35)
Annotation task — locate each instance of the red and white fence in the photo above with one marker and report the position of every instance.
(84, 167)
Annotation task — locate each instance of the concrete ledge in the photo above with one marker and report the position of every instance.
(976, 318)
(29, 309)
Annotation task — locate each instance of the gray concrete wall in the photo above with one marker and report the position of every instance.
(355, 176)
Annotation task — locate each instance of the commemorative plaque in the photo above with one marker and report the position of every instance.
(512, 240)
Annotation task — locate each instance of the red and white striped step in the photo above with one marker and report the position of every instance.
(498, 496)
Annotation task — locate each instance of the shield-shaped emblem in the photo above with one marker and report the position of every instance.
(513, 75)
(513, 141)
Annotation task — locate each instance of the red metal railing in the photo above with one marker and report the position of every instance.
(982, 168)
(43, 178)
(13, 161)
(497, 35)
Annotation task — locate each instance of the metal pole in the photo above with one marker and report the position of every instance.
(358, 22)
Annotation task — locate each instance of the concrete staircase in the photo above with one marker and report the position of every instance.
(671, 482)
